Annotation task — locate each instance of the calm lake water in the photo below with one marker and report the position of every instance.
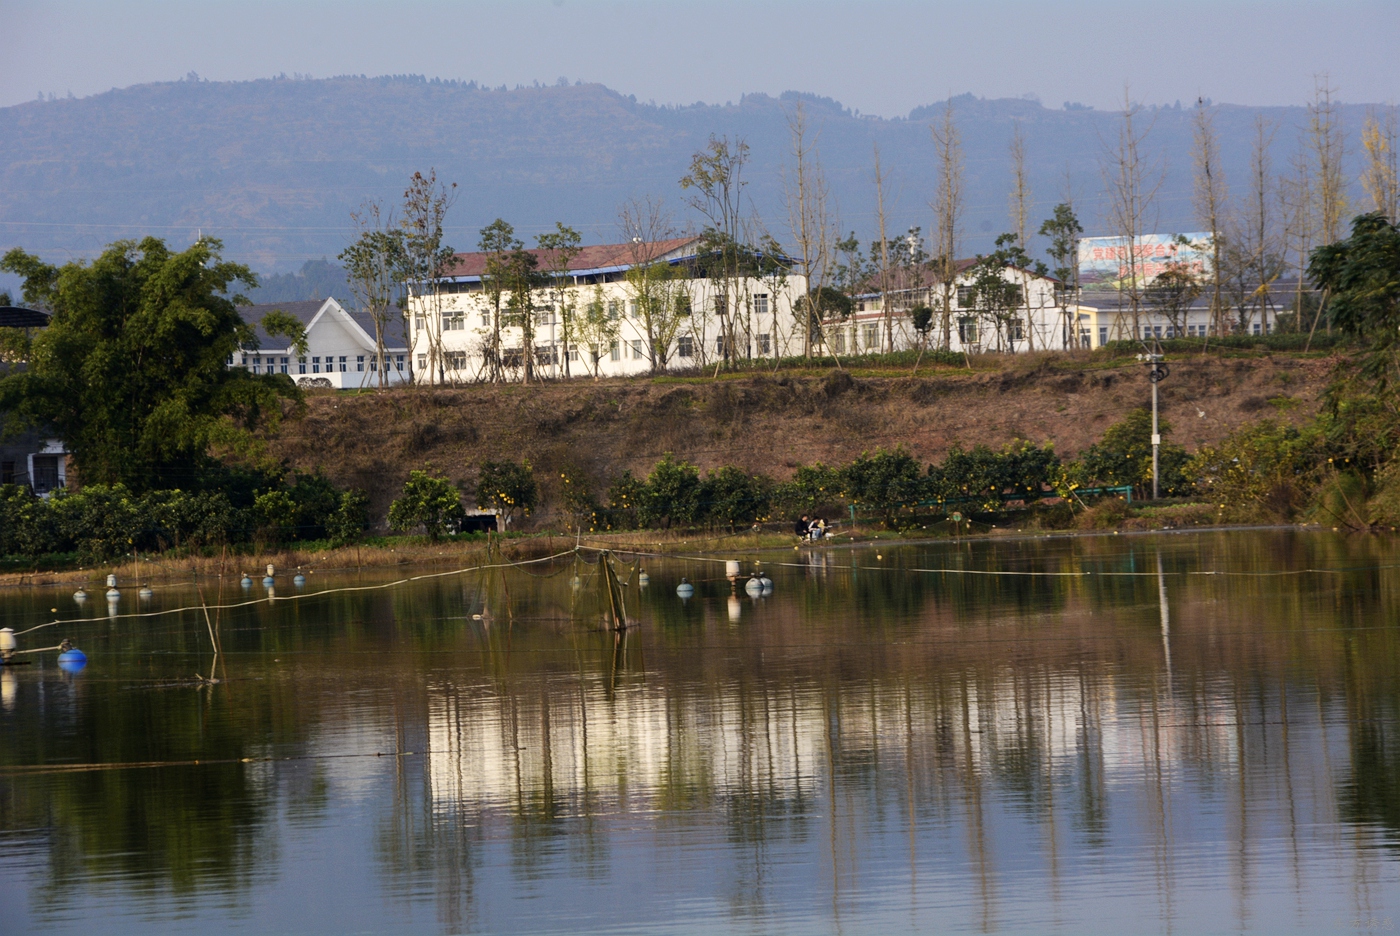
(1175, 733)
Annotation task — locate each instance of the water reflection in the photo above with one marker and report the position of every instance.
(1143, 740)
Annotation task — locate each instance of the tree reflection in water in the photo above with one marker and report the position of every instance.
(1164, 719)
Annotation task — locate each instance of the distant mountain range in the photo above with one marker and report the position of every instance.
(275, 166)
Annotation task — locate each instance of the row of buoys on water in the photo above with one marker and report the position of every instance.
(70, 658)
(758, 583)
(145, 592)
(269, 580)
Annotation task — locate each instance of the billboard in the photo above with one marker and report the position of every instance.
(1105, 263)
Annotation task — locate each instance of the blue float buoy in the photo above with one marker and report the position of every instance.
(247, 582)
(72, 660)
(299, 580)
(268, 581)
(685, 589)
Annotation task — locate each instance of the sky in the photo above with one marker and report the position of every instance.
(880, 58)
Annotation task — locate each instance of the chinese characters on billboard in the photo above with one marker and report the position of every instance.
(1105, 263)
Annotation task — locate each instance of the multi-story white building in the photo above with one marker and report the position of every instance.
(1039, 319)
(611, 310)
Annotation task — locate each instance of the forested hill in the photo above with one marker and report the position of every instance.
(275, 166)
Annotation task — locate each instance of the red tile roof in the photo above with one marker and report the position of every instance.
(598, 256)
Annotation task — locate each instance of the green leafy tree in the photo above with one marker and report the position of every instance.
(427, 501)
(508, 487)
(733, 497)
(1124, 457)
(885, 482)
(671, 496)
(373, 265)
(558, 248)
(133, 373)
(1362, 277)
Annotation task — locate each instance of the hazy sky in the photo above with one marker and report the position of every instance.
(879, 58)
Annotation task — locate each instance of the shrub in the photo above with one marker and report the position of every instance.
(1266, 470)
(625, 495)
(427, 501)
(812, 488)
(351, 517)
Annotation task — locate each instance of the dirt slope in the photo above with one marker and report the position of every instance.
(773, 424)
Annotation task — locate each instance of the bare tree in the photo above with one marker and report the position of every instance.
(1020, 203)
(373, 264)
(655, 285)
(558, 248)
(1327, 148)
(1211, 198)
(1253, 257)
(807, 199)
(716, 175)
(1295, 206)
(1378, 177)
(1132, 180)
(426, 258)
(884, 252)
(947, 212)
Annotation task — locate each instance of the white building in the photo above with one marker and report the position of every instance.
(340, 349)
(653, 304)
(1042, 321)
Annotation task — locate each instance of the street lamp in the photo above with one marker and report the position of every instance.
(1156, 373)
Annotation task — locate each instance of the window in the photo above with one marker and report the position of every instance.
(1257, 328)
(422, 362)
(230, 359)
(719, 345)
(284, 365)
(613, 310)
(721, 304)
(486, 320)
(1017, 330)
(760, 304)
(614, 351)
(632, 309)
(343, 366)
(966, 297)
(967, 329)
(1084, 338)
(683, 304)
(545, 317)
(359, 362)
(453, 321)
(301, 365)
(546, 355)
(45, 477)
(253, 368)
(7, 472)
(685, 346)
(573, 354)
(637, 352)
(315, 365)
(838, 341)
(456, 360)
(871, 337)
(418, 323)
(398, 362)
(1103, 335)
(765, 344)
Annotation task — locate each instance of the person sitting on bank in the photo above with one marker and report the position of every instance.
(818, 528)
(803, 527)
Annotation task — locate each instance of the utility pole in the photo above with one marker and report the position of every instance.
(1156, 373)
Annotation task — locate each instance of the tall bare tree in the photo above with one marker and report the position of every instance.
(654, 285)
(373, 265)
(1378, 175)
(807, 199)
(558, 248)
(883, 249)
(426, 258)
(1211, 199)
(947, 212)
(1020, 205)
(1328, 144)
(717, 179)
(1253, 257)
(1132, 179)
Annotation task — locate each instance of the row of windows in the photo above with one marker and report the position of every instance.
(276, 365)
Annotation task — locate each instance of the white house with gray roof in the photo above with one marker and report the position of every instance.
(340, 349)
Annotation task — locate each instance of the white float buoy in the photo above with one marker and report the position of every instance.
(8, 645)
(145, 594)
(731, 568)
(80, 596)
(753, 586)
(643, 580)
